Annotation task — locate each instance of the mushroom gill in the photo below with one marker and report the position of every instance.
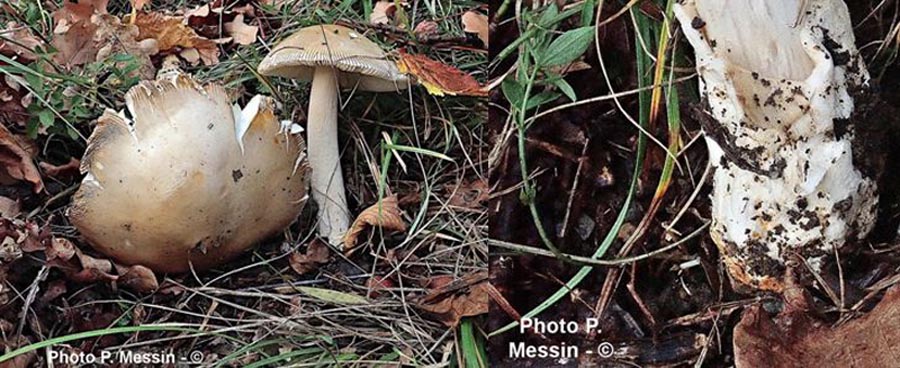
(188, 180)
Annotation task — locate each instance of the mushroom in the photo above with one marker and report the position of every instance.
(189, 180)
(778, 76)
(331, 56)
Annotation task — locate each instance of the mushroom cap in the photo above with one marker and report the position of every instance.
(362, 62)
(191, 180)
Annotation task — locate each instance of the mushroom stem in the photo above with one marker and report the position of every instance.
(327, 182)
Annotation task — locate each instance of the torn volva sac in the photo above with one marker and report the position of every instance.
(775, 76)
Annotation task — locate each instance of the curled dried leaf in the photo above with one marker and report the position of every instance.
(384, 214)
(439, 78)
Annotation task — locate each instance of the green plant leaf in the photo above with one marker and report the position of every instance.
(568, 47)
(566, 89)
(46, 117)
(512, 90)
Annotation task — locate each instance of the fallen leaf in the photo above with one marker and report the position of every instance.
(439, 78)
(377, 284)
(384, 214)
(426, 29)
(317, 254)
(74, 33)
(382, 12)
(14, 100)
(16, 160)
(795, 338)
(9, 208)
(241, 33)
(470, 194)
(67, 169)
(20, 361)
(451, 302)
(475, 22)
(18, 43)
(53, 290)
(137, 278)
(170, 34)
(333, 296)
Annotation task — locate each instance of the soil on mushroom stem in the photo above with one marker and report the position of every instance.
(679, 288)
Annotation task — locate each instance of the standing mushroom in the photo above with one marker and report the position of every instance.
(331, 56)
(188, 179)
(779, 79)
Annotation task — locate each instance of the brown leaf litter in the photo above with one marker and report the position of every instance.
(317, 254)
(794, 338)
(384, 214)
(475, 22)
(460, 298)
(17, 160)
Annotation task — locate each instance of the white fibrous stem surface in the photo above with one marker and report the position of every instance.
(777, 79)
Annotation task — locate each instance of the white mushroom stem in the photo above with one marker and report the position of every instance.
(324, 157)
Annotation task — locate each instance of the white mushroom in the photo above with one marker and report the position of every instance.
(189, 179)
(331, 57)
(777, 75)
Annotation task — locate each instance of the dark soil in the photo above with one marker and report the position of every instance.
(686, 311)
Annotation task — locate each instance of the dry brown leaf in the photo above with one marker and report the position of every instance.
(378, 284)
(451, 302)
(317, 254)
(384, 214)
(9, 208)
(796, 339)
(470, 194)
(137, 278)
(171, 33)
(241, 33)
(74, 33)
(14, 99)
(439, 78)
(22, 50)
(20, 361)
(16, 160)
(382, 12)
(475, 22)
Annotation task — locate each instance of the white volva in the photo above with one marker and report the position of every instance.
(778, 76)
